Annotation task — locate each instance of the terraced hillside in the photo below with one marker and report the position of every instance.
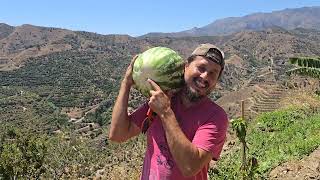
(268, 101)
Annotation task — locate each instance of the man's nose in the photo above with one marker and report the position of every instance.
(204, 75)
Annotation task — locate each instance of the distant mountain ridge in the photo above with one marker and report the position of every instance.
(5, 30)
(18, 44)
(289, 19)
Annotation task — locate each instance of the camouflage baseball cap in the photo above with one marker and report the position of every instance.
(210, 51)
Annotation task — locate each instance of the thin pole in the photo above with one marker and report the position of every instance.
(242, 109)
(244, 149)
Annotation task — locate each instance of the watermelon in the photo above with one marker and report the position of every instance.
(161, 64)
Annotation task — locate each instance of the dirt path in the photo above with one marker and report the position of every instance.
(306, 168)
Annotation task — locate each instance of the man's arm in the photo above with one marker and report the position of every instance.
(122, 128)
(187, 156)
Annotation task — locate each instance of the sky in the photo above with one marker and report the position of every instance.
(134, 17)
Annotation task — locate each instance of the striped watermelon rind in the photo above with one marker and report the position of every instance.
(161, 64)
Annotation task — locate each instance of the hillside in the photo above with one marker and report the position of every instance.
(33, 52)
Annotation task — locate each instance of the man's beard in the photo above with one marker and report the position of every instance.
(192, 95)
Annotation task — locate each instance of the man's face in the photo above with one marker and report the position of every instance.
(201, 76)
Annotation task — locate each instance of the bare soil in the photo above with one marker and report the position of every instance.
(306, 168)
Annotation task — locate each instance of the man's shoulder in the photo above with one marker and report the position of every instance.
(217, 113)
(214, 107)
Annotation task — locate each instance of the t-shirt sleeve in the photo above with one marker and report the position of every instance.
(139, 114)
(211, 135)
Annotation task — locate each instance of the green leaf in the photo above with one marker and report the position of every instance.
(311, 62)
(305, 71)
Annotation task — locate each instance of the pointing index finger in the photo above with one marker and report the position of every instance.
(154, 85)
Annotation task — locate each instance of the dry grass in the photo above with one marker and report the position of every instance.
(122, 173)
(300, 98)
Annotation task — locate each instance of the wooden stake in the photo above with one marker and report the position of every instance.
(244, 148)
(242, 109)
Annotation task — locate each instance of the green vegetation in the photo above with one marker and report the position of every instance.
(274, 138)
(46, 84)
(25, 154)
(68, 79)
(36, 137)
(307, 66)
(21, 156)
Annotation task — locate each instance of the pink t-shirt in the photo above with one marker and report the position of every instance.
(204, 124)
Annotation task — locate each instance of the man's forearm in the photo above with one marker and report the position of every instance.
(120, 123)
(185, 154)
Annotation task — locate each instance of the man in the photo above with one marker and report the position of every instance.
(189, 129)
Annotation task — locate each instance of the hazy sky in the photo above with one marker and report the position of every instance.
(134, 17)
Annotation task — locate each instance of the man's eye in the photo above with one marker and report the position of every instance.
(201, 69)
(213, 74)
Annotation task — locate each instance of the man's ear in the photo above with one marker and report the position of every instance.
(186, 64)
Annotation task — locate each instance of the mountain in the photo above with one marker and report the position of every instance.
(5, 30)
(289, 19)
(27, 43)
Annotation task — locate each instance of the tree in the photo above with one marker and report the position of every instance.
(22, 155)
(308, 66)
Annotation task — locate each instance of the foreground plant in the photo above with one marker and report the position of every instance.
(249, 168)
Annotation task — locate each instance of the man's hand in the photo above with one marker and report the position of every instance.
(159, 102)
(128, 75)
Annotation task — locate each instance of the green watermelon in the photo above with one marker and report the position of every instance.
(163, 65)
